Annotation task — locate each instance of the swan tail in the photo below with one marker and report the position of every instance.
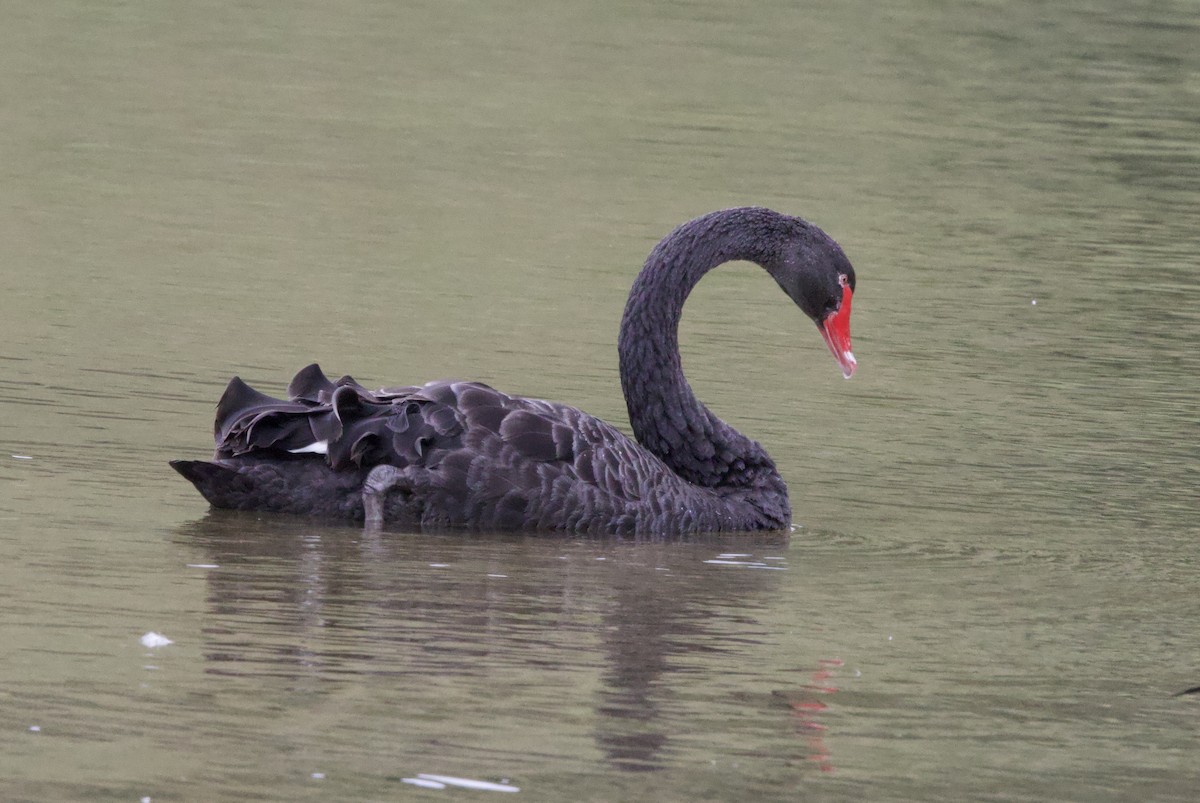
(301, 485)
(221, 485)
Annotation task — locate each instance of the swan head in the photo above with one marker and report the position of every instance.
(817, 276)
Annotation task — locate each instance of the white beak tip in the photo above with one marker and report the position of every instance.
(849, 364)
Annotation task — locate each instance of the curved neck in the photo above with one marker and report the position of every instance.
(666, 416)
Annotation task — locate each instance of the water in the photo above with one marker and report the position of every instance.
(992, 594)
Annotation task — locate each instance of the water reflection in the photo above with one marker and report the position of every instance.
(311, 603)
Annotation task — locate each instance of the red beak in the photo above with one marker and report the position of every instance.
(835, 328)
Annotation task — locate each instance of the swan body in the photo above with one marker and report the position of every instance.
(452, 454)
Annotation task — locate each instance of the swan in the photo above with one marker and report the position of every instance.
(453, 454)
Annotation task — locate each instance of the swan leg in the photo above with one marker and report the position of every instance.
(379, 481)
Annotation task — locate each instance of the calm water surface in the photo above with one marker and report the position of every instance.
(992, 593)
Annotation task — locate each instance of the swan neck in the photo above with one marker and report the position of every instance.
(665, 414)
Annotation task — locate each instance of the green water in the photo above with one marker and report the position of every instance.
(993, 590)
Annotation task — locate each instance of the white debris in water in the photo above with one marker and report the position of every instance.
(318, 776)
(153, 640)
(439, 565)
(35, 728)
(749, 564)
(21, 457)
(203, 566)
(426, 779)
(1034, 302)
(501, 576)
(146, 799)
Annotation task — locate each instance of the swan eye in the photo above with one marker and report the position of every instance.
(843, 280)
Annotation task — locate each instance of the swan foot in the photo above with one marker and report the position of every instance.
(379, 481)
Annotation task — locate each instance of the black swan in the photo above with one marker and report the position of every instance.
(460, 454)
